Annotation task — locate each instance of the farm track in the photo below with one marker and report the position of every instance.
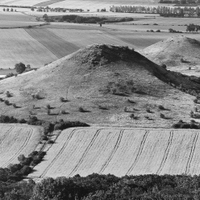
(21, 148)
(113, 152)
(191, 155)
(86, 151)
(59, 153)
(166, 153)
(139, 152)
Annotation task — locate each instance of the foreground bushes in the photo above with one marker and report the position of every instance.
(106, 187)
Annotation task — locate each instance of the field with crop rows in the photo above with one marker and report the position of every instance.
(17, 139)
(122, 151)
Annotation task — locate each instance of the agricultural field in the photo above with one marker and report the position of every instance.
(18, 46)
(83, 4)
(17, 139)
(121, 151)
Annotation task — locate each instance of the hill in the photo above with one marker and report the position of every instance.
(178, 53)
(101, 84)
(121, 151)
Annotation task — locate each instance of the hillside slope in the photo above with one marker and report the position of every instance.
(178, 53)
(101, 84)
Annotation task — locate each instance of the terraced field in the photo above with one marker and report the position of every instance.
(122, 151)
(16, 140)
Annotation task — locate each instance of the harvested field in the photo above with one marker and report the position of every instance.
(56, 45)
(17, 139)
(121, 151)
(18, 46)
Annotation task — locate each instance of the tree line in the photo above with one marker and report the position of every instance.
(164, 11)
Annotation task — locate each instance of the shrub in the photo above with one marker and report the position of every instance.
(81, 109)
(20, 67)
(7, 102)
(162, 116)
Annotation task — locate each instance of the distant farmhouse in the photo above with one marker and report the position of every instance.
(181, 1)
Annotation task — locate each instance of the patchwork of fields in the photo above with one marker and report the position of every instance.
(122, 151)
(16, 140)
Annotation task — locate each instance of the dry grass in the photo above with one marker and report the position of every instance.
(17, 139)
(121, 151)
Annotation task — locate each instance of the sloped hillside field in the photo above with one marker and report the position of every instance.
(121, 151)
(17, 139)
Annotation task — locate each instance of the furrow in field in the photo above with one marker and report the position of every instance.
(187, 170)
(56, 157)
(73, 152)
(166, 153)
(195, 164)
(179, 152)
(99, 152)
(139, 152)
(113, 152)
(85, 152)
(52, 42)
(5, 134)
(17, 153)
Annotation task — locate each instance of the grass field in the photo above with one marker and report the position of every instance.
(17, 139)
(121, 151)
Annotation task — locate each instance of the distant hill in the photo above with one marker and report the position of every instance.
(178, 51)
(102, 84)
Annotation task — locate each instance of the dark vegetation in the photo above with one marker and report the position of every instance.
(88, 19)
(165, 11)
(189, 125)
(105, 187)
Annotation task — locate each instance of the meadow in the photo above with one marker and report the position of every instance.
(121, 151)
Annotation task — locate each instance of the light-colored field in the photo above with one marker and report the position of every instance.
(121, 151)
(18, 46)
(17, 139)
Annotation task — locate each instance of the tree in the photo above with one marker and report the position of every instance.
(20, 67)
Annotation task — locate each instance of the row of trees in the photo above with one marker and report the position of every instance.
(165, 11)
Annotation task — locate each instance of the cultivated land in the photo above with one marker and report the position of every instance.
(121, 151)
(15, 140)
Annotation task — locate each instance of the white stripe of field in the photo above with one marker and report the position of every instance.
(18, 46)
(121, 151)
(17, 139)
